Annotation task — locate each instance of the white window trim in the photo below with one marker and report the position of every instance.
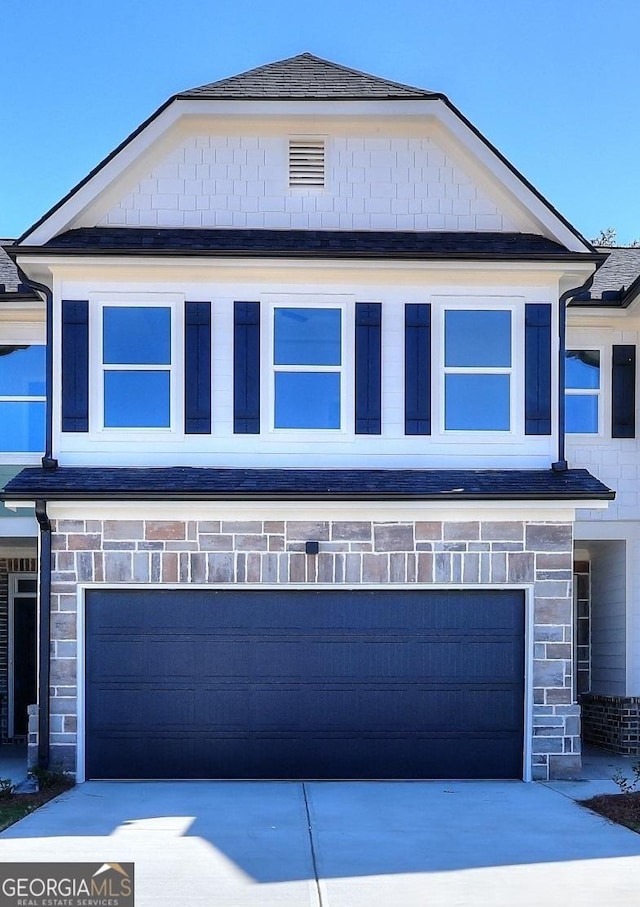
(22, 456)
(346, 304)
(515, 305)
(605, 369)
(97, 369)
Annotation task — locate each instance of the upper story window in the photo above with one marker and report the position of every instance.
(582, 391)
(22, 398)
(478, 365)
(307, 367)
(136, 366)
(307, 163)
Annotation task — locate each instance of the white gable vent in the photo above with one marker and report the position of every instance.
(306, 163)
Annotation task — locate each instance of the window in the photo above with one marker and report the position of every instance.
(22, 399)
(136, 356)
(306, 163)
(582, 391)
(307, 367)
(477, 370)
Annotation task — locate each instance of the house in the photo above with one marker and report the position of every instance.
(304, 506)
(22, 420)
(602, 338)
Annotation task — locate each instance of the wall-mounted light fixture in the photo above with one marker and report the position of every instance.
(311, 547)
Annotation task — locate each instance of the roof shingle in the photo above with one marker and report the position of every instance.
(309, 243)
(309, 77)
(192, 483)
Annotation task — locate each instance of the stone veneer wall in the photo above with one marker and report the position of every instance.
(611, 723)
(351, 553)
(8, 565)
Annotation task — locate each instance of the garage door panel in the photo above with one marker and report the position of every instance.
(145, 706)
(313, 683)
(287, 756)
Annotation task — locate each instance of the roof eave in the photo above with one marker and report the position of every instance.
(160, 495)
(56, 252)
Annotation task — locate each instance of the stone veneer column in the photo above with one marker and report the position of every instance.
(218, 552)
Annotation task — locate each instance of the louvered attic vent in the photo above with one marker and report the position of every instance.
(306, 163)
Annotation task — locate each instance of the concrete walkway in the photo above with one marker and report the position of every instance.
(348, 844)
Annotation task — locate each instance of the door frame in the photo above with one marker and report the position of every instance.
(527, 590)
(11, 655)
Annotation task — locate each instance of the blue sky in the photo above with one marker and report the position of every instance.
(554, 84)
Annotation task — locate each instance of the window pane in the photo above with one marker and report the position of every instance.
(22, 427)
(22, 371)
(139, 335)
(136, 400)
(307, 400)
(477, 402)
(307, 336)
(582, 369)
(581, 413)
(477, 339)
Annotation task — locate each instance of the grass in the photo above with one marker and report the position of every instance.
(14, 807)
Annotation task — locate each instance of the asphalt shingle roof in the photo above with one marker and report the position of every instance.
(620, 269)
(8, 273)
(309, 77)
(615, 278)
(191, 483)
(310, 243)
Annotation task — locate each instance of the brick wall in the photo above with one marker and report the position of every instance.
(611, 723)
(372, 183)
(351, 553)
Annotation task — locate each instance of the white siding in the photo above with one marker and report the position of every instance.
(372, 184)
(608, 617)
(615, 461)
(391, 449)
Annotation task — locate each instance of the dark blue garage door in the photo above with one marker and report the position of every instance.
(304, 684)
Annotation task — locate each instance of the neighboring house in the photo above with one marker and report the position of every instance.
(602, 339)
(22, 420)
(304, 505)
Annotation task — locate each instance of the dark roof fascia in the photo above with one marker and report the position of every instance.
(19, 297)
(560, 257)
(109, 486)
(516, 172)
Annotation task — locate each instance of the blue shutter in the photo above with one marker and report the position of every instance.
(246, 368)
(368, 368)
(417, 369)
(197, 368)
(75, 365)
(623, 392)
(537, 369)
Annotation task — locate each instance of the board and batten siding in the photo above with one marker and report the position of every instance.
(608, 618)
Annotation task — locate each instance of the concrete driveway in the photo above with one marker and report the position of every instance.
(325, 844)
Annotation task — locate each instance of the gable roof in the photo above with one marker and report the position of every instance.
(309, 77)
